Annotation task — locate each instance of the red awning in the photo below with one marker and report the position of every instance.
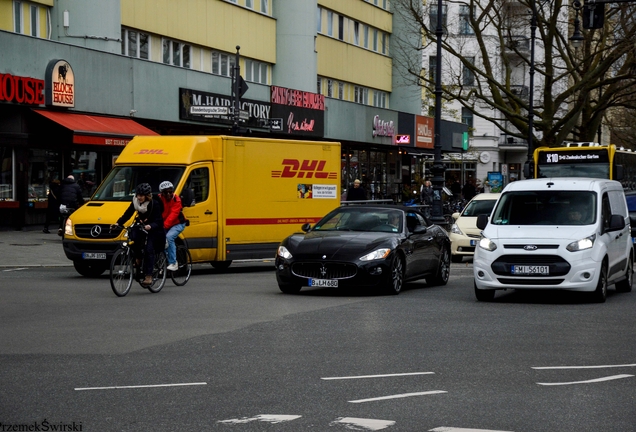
(98, 130)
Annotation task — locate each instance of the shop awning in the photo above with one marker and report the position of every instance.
(97, 130)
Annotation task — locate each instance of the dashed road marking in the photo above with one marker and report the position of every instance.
(398, 396)
(141, 386)
(584, 367)
(378, 376)
(369, 424)
(454, 429)
(596, 380)
(267, 418)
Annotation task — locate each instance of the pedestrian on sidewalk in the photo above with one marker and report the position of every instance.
(70, 200)
(53, 206)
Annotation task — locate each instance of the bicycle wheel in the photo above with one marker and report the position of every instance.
(121, 272)
(159, 272)
(184, 260)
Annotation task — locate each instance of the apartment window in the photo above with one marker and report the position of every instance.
(432, 68)
(264, 6)
(384, 42)
(135, 44)
(319, 20)
(468, 77)
(340, 27)
(356, 33)
(222, 64)
(35, 21)
(17, 16)
(467, 117)
(433, 17)
(379, 99)
(176, 53)
(255, 71)
(329, 88)
(319, 86)
(361, 95)
(464, 21)
(366, 36)
(329, 23)
(249, 4)
(340, 90)
(375, 40)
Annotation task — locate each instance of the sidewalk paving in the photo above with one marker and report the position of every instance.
(31, 247)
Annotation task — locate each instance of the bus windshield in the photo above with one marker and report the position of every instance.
(121, 182)
(595, 170)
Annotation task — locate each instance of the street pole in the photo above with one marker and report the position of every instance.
(533, 30)
(236, 87)
(437, 212)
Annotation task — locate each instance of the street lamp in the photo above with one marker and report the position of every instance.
(577, 37)
(437, 210)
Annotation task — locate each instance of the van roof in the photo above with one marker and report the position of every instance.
(563, 183)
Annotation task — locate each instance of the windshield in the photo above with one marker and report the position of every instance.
(121, 182)
(477, 207)
(359, 219)
(594, 170)
(546, 208)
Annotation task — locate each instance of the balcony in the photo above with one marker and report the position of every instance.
(520, 91)
(517, 45)
(511, 143)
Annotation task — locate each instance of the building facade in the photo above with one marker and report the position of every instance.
(79, 79)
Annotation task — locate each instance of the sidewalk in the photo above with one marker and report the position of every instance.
(31, 248)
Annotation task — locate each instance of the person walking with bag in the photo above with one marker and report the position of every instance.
(174, 222)
(70, 200)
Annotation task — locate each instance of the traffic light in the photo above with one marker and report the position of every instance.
(593, 15)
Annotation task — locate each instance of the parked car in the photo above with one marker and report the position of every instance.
(464, 234)
(557, 233)
(372, 246)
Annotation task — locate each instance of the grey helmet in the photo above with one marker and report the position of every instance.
(143, 189)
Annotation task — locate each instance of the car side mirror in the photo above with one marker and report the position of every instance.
(616, 223)
(187, 197)
(306, 227)
(482, 221)
(420, 229)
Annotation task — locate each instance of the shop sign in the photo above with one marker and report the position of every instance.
(383, 128)
(424, 132)
(59, 89)
(217, 108)
(22, 90)
(403, 139)
(303, 113)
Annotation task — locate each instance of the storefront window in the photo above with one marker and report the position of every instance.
(6, 174)
(83, 164)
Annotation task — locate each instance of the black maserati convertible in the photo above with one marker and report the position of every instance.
(375, 246)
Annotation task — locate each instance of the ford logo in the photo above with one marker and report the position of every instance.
(530, 247)
(96, 230)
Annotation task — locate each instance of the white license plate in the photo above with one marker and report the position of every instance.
(94, 255)
(323, 283)
(530, 270)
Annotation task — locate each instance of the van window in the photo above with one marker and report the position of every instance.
(545, 208)
(121, 182)
(199, 182)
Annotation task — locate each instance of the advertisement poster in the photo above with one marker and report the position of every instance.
(316, 191)
(495, 181)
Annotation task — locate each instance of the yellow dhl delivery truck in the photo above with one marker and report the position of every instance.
(242, 196)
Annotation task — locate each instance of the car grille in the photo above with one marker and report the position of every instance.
(324, 270)
(86, 231)
(521, 246)
(558, 266)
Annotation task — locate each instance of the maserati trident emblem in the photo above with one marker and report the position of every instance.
(530, 247)
(96, 230)
(323, 271)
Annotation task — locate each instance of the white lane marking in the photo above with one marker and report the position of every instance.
(609, 378)
(15, 269)
(269, 418)
(141, 386)
(584, 367)
(369, 424)
(454, 429)
(377, 376)
(398, 396)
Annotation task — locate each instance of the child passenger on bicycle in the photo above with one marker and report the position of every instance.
(149, 210)
(174, 222)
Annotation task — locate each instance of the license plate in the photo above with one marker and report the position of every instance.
(94, 255)
(530, 270)
(473, 242)
(323, 283)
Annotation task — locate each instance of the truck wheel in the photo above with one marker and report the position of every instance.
(289, 288)
(91, 270)
(221, 265)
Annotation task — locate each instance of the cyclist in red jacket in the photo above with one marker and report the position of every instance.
(173, 220)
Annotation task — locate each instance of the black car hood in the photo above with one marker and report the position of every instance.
(338, 245)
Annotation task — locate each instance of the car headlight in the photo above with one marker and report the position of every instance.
(455, 230)
(487, 244)
(283, 252)
(68, 227)
(376, 254)
(582, 244)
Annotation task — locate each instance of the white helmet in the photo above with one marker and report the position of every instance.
(165, 185)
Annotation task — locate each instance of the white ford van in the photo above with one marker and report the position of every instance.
(556, 233)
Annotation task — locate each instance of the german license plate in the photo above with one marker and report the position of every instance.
(94, 255)
(530, 270)
(329, 283)
(473, 242)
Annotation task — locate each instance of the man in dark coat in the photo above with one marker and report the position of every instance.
(356, 193)
(70, 197)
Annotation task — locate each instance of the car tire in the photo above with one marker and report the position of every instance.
(457, 258)
(89, 270)
(600, 294)
(221, 265)
(626, 284)
(484, 295)
(396, 276)
(289, 288)
(443, 269)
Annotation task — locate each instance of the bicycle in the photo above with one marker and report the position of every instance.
(123, 269)
(181, 276)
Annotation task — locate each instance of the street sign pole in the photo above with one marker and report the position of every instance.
(236, 90)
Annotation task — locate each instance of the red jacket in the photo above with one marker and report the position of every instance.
(171, 210)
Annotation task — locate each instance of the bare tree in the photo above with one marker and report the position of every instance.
(574, 88)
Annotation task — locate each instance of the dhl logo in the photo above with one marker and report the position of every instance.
(305, 169)
(151, 152)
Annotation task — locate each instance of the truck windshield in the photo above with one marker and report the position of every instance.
(121, 182)
(546, 208)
